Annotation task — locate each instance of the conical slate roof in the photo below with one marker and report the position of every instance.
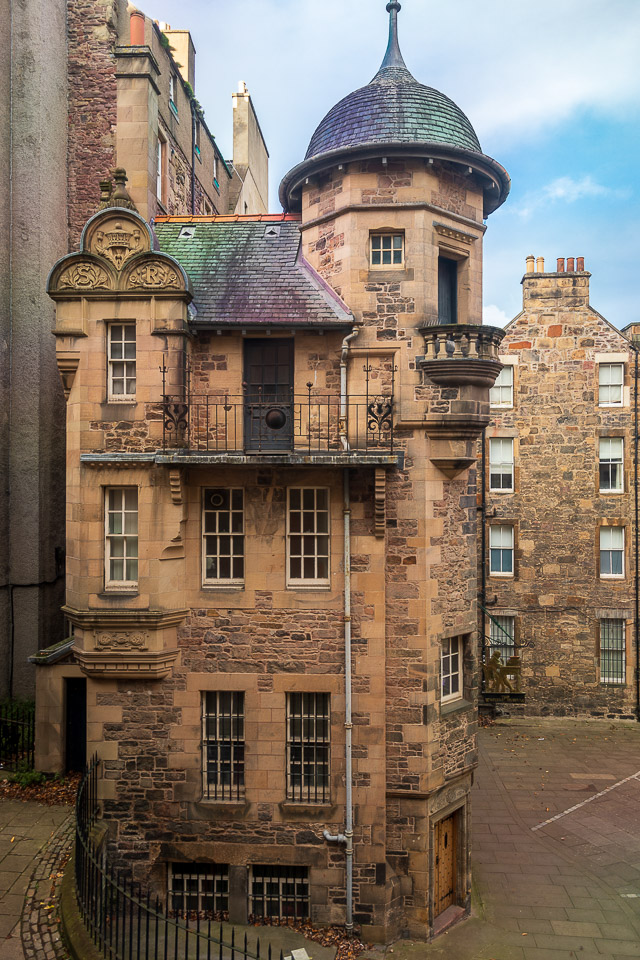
(393, 108)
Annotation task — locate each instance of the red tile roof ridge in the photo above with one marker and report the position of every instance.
(230, 218)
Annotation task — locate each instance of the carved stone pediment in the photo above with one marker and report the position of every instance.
(116, 238)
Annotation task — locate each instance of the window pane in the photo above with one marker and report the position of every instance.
(223, 554)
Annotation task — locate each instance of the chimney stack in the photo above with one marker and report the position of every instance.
(540, 265)
(580, 265)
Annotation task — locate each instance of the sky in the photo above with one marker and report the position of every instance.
(552, 89)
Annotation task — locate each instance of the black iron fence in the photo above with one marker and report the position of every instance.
(263, 423)
(17, 735)
(127, 923)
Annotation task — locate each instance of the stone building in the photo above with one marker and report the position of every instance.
(90, 85)
(560, 562)
(271, 542)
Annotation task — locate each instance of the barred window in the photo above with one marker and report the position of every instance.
(122, 361)
(501, 549)
(501, 393)
(279, 891)
(611, 551)
(612, 652)
(451, 668)
(610, 383)
(502, 636)
(501, 463)
(387, 249)
(121, 536)
(223, 745)
(308, 747)
(223, 535)
(611, 465)
(201, 888)
(308, 535)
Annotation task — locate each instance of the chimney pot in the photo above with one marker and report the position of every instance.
(580, 265)
(560, 267)
(540, 265)
(571, 265)
(530, 263)
(137, 28)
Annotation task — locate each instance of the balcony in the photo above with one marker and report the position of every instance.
(281, 427)
(464, 353)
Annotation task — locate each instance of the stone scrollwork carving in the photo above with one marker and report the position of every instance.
(153, 274)
(83, 276)
(123, 641)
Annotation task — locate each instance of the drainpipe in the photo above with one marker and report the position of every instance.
(347, 836)
(193, 156)
(483, 538)
(342, 426)
(637, 557)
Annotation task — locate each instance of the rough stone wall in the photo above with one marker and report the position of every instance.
(557, 595)
(92, 32)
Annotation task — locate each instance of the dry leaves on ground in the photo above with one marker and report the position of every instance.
(347, 948)
(51, 792)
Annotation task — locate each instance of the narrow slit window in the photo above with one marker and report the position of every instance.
(451, 668)
(447, 290)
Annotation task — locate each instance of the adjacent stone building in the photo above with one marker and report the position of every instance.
(90, 85)
(271, 541)
(560, 562)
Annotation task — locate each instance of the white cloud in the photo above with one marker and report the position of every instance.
(493, 316)
(561, 190)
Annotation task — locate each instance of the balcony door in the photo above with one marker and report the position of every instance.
(268, 377)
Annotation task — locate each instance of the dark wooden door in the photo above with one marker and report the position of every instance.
(75, 691)
(445, 865)
(268, 377)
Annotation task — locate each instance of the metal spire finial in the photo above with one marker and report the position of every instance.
(393, 57)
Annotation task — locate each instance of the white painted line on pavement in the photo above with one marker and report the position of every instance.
(558, 816)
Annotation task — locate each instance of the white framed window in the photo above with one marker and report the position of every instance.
(451, 668)
(308, 536)
(121, 537)
(501, 463)
(121, 353)
(387, 249)
(223, 535)
(611, 551)
(501, 393)
(610, 384)
(279, 891)
(308, 747)
(223, 745)
(611, 465)
(502, 636)
(612, 651)
(501, 549)
(201, 888)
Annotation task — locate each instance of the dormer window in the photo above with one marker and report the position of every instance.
(387, 250)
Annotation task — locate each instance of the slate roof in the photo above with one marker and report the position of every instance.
(249, 271)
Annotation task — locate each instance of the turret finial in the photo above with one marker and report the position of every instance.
(393, 57)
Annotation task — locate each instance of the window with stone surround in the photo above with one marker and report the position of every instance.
(501, 393)
(308, 747)
(201, 888)
(611, 551)
(610, 384)
(612, 651)
(502, 632)
(279, 891)
(611, 465)
(501, 542)
(173, 86)
(501, 464)
(451, 669)
(161, 170)
(121, 357)
(121, 537)
(308, 536)
(223, 745)
(223, 536)
(386, 250)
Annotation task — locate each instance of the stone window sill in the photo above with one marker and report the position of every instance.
(109, 594)
(453, 706)
(305, 810)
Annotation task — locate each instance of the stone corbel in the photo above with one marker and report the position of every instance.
(176, 482)
(380, 492)
(67, 366)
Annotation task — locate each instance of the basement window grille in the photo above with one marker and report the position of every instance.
(280, 892)
(308, 747)
(201, 888)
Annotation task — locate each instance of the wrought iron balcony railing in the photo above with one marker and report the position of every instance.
(279, 421)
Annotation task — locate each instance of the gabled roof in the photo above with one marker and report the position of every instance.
(249, 271)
